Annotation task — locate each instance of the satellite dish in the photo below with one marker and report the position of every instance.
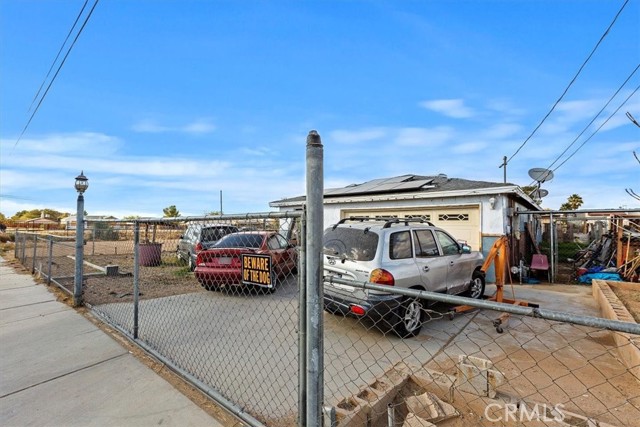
(541, 175)
(542, 193)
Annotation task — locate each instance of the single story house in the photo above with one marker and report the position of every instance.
(89, 220)
(477, 212)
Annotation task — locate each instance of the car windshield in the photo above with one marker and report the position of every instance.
(211, 234)
(241, 241)
(350, 243)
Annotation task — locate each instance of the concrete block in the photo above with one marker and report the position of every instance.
(477, 376)
(429, 407)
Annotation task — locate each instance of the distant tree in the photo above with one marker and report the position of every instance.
(171, 212)
(2, 217)
(131, 217)
(37, 213)
(573, 202)
(529, 189)
(212, 213)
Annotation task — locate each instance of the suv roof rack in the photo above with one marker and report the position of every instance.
(388, 221)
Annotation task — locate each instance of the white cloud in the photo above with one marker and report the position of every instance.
(197, 127)
(449, 107)
(356, 137)
(424, 136)
(77, 142)
(469, 147)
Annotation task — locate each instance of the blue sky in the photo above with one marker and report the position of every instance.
(170, 102)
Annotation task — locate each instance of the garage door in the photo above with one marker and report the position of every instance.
(462, 222)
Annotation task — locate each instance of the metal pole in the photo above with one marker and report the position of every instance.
(302, 323)
(391, 415)
(504, 164)
(593, 322)
(35, 253)
(77, 288)
(23, 257)
(49, 259)
(136, 277)
(552, 246)
(17, 245)
(315, 219)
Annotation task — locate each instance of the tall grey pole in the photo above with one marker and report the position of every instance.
(552, 243)
(136, 277)
(302, 322)
(315, 219)
(77, 288)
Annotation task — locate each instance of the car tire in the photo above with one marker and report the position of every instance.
(191, 262)
(408, 318)
(476, 287)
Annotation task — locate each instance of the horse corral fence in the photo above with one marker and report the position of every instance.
(264, 349)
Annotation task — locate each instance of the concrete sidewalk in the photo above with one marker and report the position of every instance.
(58, 369)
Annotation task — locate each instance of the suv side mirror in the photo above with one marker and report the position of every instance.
(466, 249)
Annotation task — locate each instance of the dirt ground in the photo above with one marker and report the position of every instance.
(167, 279)
(630, 299)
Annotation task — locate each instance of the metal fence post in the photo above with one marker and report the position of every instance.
(302, 323)
(315, 218)
(136, 277)
(77, 288)
(35, 253)
(23, 255)
(552, 247)
(16, 239)
(49, 258)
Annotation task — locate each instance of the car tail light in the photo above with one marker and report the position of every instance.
(198, 247)
(357, 310)
(381, 277)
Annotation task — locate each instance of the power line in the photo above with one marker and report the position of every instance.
(58, 55)
(597, 130)
(56, 74)
(595, 117)
(567, 88)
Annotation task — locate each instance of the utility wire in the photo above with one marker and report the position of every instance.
(597, 130)
(594, 118)
(567, 88)
(58, 55)
(590, 123)
(56, 74)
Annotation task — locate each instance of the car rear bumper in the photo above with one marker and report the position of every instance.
(218, 276)
(374, 306)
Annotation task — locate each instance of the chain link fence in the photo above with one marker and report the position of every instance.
(234, 304)
(162, 283)
(479, 368)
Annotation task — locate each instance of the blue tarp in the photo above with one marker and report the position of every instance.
(588, 277)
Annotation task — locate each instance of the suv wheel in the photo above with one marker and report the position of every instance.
(476, 287)
(409, 318)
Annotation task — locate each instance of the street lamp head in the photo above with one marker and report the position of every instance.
(82, 183)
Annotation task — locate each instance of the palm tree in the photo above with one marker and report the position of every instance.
(573, 202)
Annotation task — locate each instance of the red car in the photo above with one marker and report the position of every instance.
(222, 264)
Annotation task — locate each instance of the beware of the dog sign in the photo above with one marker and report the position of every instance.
(256, 270)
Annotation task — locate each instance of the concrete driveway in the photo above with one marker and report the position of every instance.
(245, 347)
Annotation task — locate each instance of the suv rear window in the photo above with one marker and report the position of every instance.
(350, 243)
(211, 234)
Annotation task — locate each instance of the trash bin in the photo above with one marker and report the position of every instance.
(150, 254)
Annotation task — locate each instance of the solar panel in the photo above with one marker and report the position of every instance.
(382, 185)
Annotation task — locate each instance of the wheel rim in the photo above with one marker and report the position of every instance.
(413, 316)
(476, 287)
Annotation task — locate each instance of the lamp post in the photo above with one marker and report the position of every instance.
(82, 183)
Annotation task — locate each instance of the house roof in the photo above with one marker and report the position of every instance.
(404, 184)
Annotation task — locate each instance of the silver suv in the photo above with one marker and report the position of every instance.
(400, 252)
